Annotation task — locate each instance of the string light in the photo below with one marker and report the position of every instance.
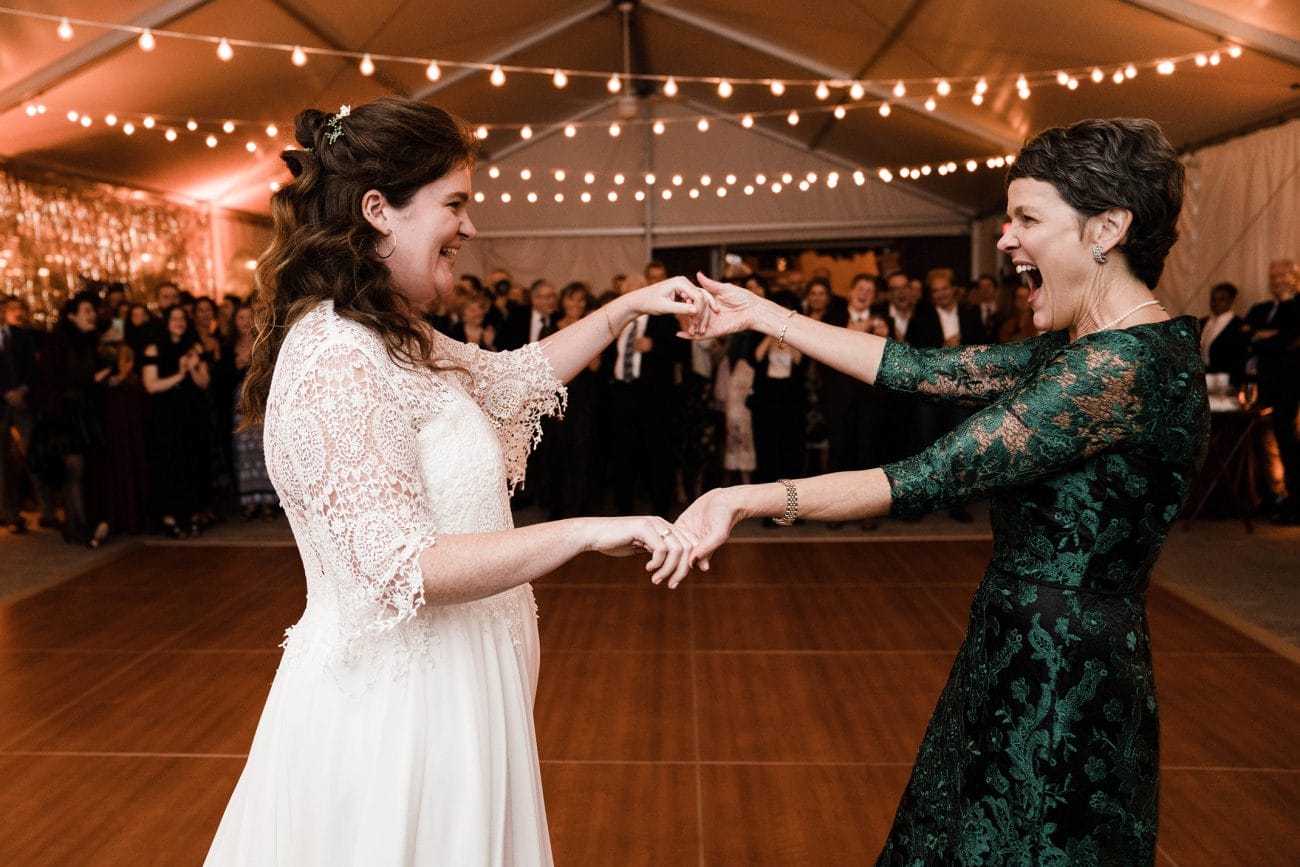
(224, 51)
(792, 118)
(525, 174)
(702, 124)
(228, 127)
(884, 109)
(128, 128)
(650, 179)
(840, 112)
(85, 120)
(560, 175)
(857, 91)
(614, 85)
(1234, 51)
(670, 86)
(586, 197)
(1166, 67)
(481, 133)
(272, 130)
(191, 124)
(747, 121)
(498, 76)
(570, 131)
(494, 172)
(777, 87)
(148, 122)
(367, 66)
(433, 71)
(251, 147)
(559, 79)
(615, 129)
(170, 135)
(900, 90)
(822, 91)
(943, 87)
(298, 57)
(146, 40)
(211, 140)
(930, 104)
(659, 127)
(64, 29)
(1096, 75)
(110, 119)
(526, 132)
(619, 179)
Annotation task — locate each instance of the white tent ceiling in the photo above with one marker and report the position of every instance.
(97, 72)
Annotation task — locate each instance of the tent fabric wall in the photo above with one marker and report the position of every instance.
(1240, 213)
(593, 259)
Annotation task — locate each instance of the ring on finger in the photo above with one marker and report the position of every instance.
(664, 534)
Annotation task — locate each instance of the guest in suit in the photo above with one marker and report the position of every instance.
(987, 307)
(1225, 337)
(639, 367)
(1275, 360)
(534, 320)
(940, 321)
(855, 412)
(17, 370)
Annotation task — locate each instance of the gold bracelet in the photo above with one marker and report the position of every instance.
(791, 504)
(780, 340)
(610, 326)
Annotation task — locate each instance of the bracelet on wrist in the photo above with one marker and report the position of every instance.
(791, 504)
(780, 340)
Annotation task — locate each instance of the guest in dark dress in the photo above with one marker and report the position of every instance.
(1044, 745)
(574, 457)
(68, 433)
(120, 476)
(176, 378)
(257, 497)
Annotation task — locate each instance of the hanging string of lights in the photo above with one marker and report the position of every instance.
(940, 87)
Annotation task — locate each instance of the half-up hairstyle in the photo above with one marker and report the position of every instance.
(323, 247)
(1122, 163)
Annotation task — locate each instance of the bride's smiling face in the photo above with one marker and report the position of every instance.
(425, 237)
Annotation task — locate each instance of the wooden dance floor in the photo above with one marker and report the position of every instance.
(765, 713)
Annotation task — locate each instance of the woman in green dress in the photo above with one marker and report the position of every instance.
(1043, 748)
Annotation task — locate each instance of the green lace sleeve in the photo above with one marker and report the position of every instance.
(970, 373)
(1087, 398)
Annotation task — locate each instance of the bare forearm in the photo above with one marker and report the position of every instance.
(832, 497)
(572, 349)
(855, 353)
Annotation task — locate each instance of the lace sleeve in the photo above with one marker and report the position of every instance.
(971, 373)
(516, 390)
(341, 446)
(1086, 400)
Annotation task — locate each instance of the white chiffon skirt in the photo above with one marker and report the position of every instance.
(423, 753)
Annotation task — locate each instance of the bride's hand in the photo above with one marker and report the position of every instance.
(734, 309)
(709, 520)
(670, 548)
(674, 295)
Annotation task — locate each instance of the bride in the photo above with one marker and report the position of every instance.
(399, 727)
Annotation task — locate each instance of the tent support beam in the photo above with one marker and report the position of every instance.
(536, 37)
(92, 52)
(1223, 25)
(1003, 138)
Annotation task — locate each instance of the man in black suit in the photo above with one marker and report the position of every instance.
(940, 321)
(639, 367)
(1275, 361)
(987, 312)
(534, 320)
(17, 367)
(856, 422)
(1225, 337)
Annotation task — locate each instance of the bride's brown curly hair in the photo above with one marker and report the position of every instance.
(323, 247)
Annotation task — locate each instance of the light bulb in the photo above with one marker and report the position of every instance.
(749, 189)
(433, 71)
(650, 179)
(298, 57)
(857, 91)
(211, 140)
(570, 131)
(1096, 75)
(560, 79)
(777, 87)
(494, 172)
(619, 179)
(481, 133)
(977, 98)
(670, 86)
(589, 178)
(148, 122)
(884, 109)
(532, 198)
(170, 135)
(228, 127)
(900, 89)
(74, 116)
(971, 165)
(1118, 76)
(792, 118)
(747, 121)
(146, 41)
(526, 133)
(804, 186)
(110, 119)
(930, 104)
(1234, 51)
(840, 112)
(1130, 71)
(585, 197)
(560, 175)
(367, 66)
(943, 88)
(275, 186)
(702, 124)
(251, 147)
(1165, 67)
(191, 125)
(614, 85)
(667, 194)
(272, 130)
(85, 120)
(705, 180)
(613, 196)
(505, 197)
(724, 88)
(224, 51)
(128, 128)
(677, 180)
(498, 76)
(886, 175)
(659, 127)
(1073, 83)
(694, 194)
(559, 198)
(981, 86)
(526, 174)
(639, 195)
(1062, 78)
(615, 129)
(64, 29)
(822, 91)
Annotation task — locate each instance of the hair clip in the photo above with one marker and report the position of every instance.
(335, 124)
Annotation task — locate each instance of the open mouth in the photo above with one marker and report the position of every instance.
(1031, 276)
(449, 253)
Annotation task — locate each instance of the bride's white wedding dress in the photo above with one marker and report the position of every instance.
(395, 732)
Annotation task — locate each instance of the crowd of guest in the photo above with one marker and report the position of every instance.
(124, 418)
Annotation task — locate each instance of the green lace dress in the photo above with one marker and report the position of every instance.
(1043, 749)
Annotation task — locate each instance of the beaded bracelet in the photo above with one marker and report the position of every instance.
(780, 340)
(791, 504)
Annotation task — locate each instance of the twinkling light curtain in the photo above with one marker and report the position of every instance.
(56, 234)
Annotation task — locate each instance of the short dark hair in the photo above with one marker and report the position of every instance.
(819, 281)
(1225, 287)
(1124, 163)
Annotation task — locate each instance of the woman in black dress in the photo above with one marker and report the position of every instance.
(176, 376)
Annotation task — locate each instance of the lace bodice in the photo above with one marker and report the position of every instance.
(373, 460)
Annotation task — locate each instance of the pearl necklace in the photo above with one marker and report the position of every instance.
(1118, 319)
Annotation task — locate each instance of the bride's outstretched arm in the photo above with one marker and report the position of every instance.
(832, 497)
(571, 349)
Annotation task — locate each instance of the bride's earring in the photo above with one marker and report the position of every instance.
(394, 248)
(1098, 254)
